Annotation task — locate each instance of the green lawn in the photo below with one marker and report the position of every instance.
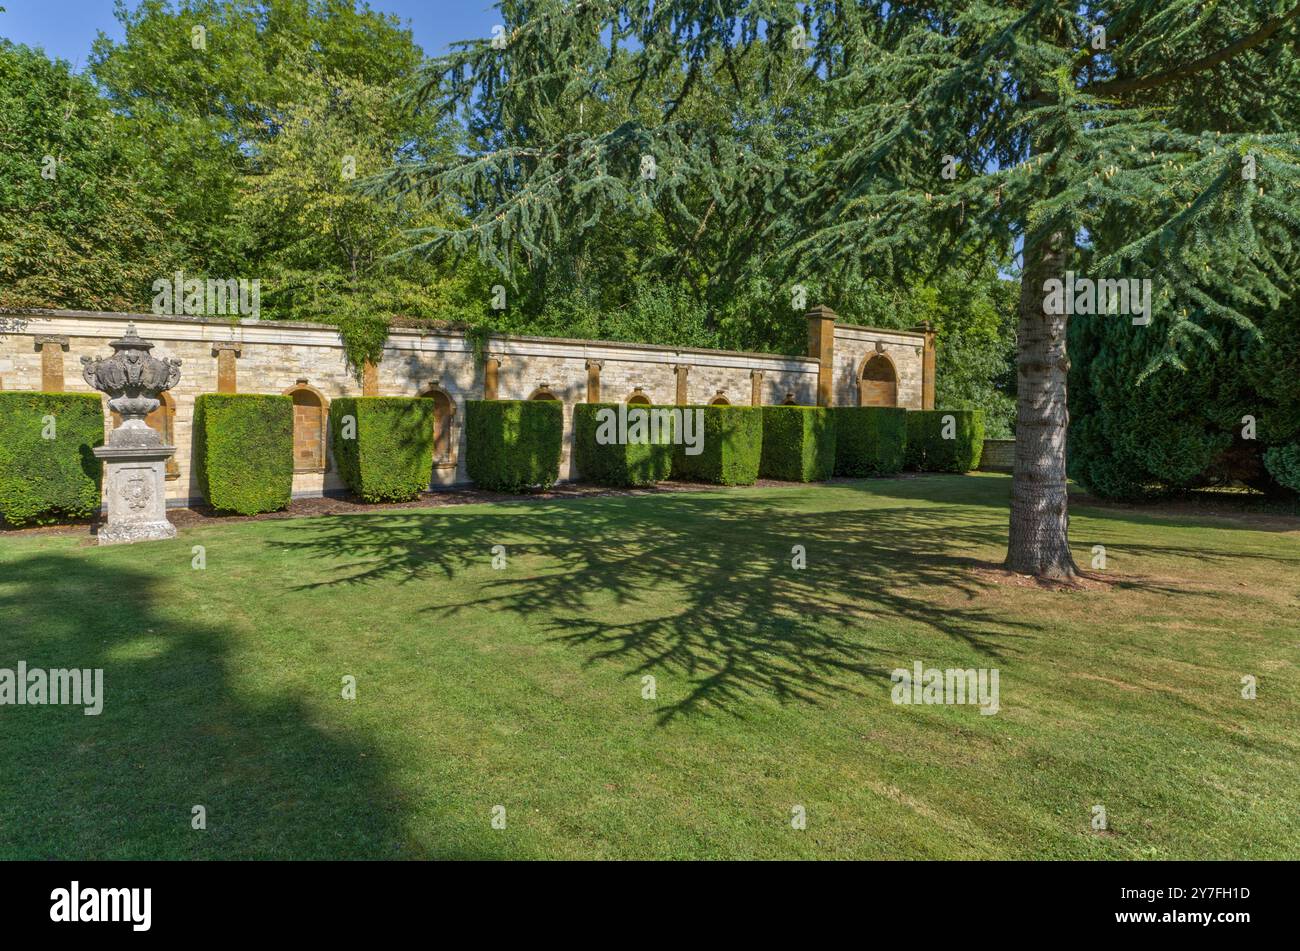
(523, 687)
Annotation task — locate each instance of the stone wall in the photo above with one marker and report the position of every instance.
(854, 346)
(999, 455)
(41, 350)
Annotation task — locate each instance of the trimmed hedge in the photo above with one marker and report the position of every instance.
(47, 480)
(732, 446)
(243, 451)
(386, 454)
(870, 440)
(513, 445)
(626, 463)
(798, 443)
(1283, 464)
(928, 451)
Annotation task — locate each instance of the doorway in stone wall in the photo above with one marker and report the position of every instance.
(444, 445)
(878, 382)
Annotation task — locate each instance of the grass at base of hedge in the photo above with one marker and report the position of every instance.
(798, 443)
(613, 462)
(869, 440)
(383, 445)
(929, 449)
(243, 451)
(44, 480)
(513, 445)
(732, 445)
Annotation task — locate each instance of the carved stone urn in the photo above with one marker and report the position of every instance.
(135, 459)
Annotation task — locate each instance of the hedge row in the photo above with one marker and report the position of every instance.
(798, 443)
(244, 451)
(513, 445)
(869, 440)
(621, 445)
(944, 440)
(383, 445)
(48, 470)
(730, 444)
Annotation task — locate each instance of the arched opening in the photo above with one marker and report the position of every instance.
(638, 398)
(789, 400)
(444, 410)
(878, 382)
(163, 422)
(720, 400)
(310, 413)
(543, 392)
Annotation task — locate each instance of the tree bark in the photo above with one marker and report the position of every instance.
(1039, 539)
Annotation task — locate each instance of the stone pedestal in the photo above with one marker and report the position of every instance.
(135, 459)
(137, 501)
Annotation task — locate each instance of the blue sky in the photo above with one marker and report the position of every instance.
(66, 28)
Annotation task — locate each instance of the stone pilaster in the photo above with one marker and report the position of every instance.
(226, 354)
(927, 370)
(51, 349)
(491, 364)
(369, 379)
(683, 372)
(593, 381)
(821, 346)
(755, 387)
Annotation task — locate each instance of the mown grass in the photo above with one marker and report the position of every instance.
(523, 687)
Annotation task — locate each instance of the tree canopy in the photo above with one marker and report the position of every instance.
(905, 138)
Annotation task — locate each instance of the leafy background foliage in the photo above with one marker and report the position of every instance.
(228, 162)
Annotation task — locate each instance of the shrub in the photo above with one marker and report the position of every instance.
(46, 480)
(928, 451)
(1181, 429)
(513, 445)
(732, 446)
(625, 463)
(869, 440)
(1283, 464)
(386, 453)
(798, 443)
(243, 451)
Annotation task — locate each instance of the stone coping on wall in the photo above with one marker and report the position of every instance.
(854, 332)
(84, 323)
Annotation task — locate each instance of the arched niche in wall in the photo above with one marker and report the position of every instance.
(444, 416)
(720, 399)
(310, 426)
(163, 422)
(637, 398)
(878, 381)
(543, 392)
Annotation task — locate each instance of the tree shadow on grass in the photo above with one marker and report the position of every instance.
(702, 585)
(178, 729)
